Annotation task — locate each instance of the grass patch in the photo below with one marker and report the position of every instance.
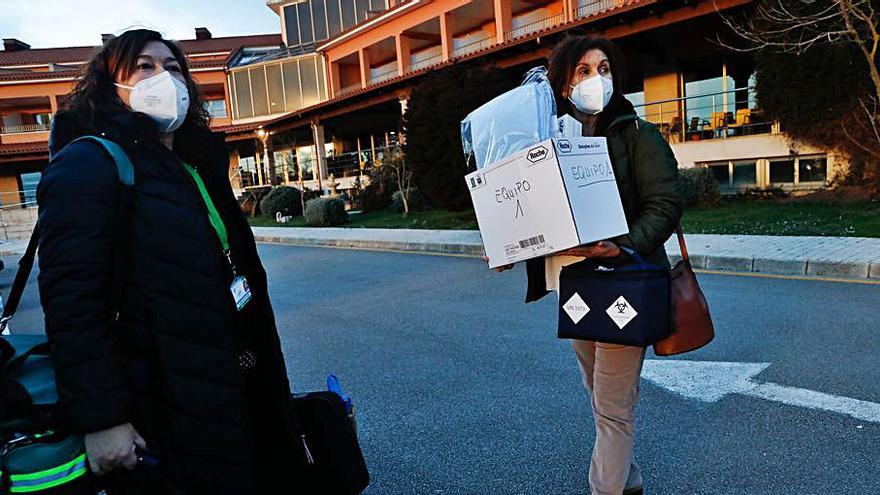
(785, 218)
(387, 219)
(731, 217)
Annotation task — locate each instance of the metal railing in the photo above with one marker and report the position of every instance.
(342, 165)
(595, 7)
(473, 46)
(382, 76)
(421, 64)
(19, 129)
(535, 26)
(707, 116)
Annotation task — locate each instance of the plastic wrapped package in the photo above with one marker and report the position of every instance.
(512, 121)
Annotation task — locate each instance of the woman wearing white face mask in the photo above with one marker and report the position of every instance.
(163, 338)
(586, 76)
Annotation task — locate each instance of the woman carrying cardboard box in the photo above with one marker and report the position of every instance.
(586, 74)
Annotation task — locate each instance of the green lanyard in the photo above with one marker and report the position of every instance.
(213, 214)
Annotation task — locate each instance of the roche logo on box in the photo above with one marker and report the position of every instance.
(564, 146)
(537, 154)
(476, 181)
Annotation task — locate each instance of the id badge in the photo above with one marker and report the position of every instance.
(241, 292)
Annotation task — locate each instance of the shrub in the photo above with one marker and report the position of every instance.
(377, 195)
(285, 199)
(416, 201)
(326, 212)
(699, 187)
(433, 128)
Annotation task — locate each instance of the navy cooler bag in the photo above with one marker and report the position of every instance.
(628, 304)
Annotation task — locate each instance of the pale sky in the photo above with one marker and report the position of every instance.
(54, 23)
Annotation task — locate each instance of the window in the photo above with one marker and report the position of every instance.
(258, 90)
(216, 108)
(745, 174)
(378, 5)
(348, 16)
(721, 172)
(276, 91)
(290, 25)
(782, 172)
(292, 91)
(322, 90)
(320, 19)
(305, 23)
(334, 20)
(812, 169)
(363, 6)
(29, 187)
(702, 100)
(243, 105)
(309, 81)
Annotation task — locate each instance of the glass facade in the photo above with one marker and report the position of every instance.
(216, 108)
(812, 169)
(29, 187)
(283, 86)
(782, 172)
(313, 21)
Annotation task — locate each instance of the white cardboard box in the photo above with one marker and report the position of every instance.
(558, 194)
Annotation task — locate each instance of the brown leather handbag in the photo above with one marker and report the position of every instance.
(691, 322)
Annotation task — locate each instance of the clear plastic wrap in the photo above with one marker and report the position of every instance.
(510, 122)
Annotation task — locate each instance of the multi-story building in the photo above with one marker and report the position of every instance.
(325, 97)
(35, 82)
(680, 77)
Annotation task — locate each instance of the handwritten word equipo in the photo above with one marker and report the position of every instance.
(514, 192)
(591, 172)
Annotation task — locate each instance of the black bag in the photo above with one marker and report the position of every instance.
(627, 304)
(332, 462)
(35, 455)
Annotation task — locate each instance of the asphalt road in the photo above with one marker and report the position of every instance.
(460, 388)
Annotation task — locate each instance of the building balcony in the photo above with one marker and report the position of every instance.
(20, 129)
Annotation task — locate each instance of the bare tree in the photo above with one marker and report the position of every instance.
(794, 26)
(395, 162)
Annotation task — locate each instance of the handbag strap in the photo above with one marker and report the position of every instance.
(681, 244)
(125, 172)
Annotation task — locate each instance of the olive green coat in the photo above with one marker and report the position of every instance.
(647, 178)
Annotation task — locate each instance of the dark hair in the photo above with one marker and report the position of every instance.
(94, 99)
(565, 57)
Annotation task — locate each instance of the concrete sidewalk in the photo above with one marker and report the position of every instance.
(839, 257)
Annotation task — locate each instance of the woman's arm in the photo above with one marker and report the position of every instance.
(659, 202)
(78, 198)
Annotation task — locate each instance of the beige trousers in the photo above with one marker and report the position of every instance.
(611, 376)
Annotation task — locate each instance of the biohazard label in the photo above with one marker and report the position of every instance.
(621, 312)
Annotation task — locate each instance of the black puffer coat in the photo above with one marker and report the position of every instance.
(168, 364)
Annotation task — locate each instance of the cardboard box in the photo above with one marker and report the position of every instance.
(558, 194)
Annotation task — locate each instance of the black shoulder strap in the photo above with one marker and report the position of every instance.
(125, 172)
(25, 265)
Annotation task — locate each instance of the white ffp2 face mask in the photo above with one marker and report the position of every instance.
(163, 97)
(592, 94)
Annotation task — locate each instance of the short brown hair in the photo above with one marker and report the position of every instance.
(565, 57)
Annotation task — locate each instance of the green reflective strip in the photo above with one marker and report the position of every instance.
(213, 214)
(51, 484)
(48, 472)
